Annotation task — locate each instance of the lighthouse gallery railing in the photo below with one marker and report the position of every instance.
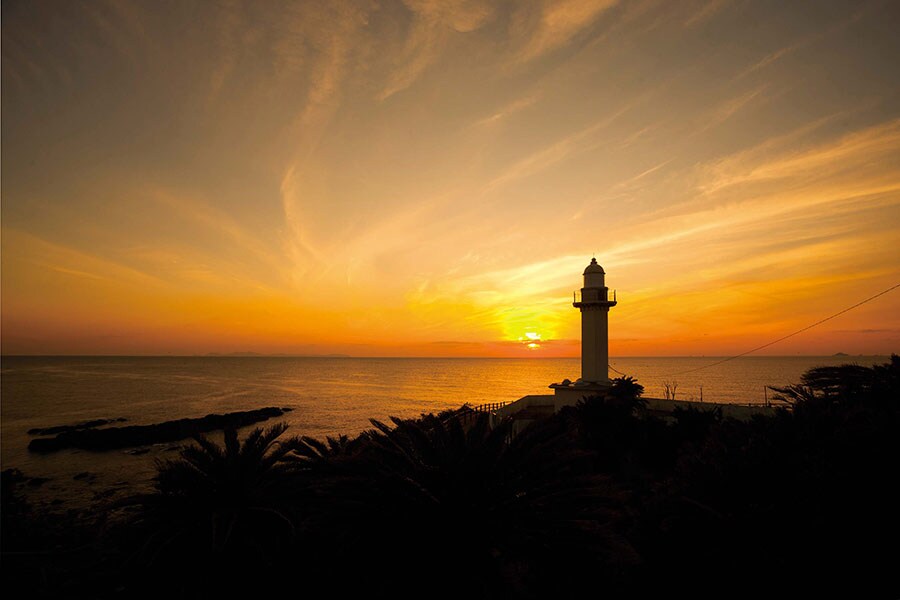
(577, 297)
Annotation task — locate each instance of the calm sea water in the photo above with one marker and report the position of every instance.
(329, 396)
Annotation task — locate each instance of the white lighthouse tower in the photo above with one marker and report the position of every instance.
(594, 303)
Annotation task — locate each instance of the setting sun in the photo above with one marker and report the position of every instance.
(531, 340)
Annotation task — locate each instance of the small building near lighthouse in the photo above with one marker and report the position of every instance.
(594, 302)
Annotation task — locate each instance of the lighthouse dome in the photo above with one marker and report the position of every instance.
(594, 268)
(594, 275)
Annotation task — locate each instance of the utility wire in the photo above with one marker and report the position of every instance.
(615, 370)
(790, 335)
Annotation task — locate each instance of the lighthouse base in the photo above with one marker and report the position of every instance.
(568, 393)
(528, 409)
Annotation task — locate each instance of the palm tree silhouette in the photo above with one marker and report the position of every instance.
(218, 510)
(627, 390)
(323, 457)
(512, 513)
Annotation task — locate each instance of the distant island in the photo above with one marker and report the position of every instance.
(279, 355)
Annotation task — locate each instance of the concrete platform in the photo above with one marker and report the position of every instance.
(659, 407)
(537, 406)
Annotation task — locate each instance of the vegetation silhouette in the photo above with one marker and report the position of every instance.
(217, 510)
(626, 390)
(804, 501)
(506, 515)
(604, 496)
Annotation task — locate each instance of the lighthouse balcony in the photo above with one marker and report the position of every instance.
(593, 297)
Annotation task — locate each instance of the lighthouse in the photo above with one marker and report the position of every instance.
(594, 304)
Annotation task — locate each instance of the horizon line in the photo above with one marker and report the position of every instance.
(339, 356)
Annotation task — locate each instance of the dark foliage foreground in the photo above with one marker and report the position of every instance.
(596, 500)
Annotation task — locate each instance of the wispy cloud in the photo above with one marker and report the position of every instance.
(706, 11)
(322, 40)
(74, 272)
(729, 108)
(554, 23)
(508, 110)
(853, 150)
(239, 241)
(580, 141)
(296, 196)
(770, 59)
(432, 22)
(634, 181)
(34, 250)
(232, 39)
(807, 40)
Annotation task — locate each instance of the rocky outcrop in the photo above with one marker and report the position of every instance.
(82, 425)
(112, 438)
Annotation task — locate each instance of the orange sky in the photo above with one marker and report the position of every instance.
(430, 178)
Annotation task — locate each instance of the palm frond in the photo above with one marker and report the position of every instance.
(232, 445)
(312, 448)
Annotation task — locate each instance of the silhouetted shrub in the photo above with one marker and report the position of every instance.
(805, 499)
(486, 516)
(220, 516)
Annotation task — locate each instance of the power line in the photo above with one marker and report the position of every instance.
(615, 370)
(790, 335)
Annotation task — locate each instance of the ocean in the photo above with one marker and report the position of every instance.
(330, 396)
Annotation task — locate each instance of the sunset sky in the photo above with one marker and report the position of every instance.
(430, 178)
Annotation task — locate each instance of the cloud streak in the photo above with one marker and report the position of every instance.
(557, 23)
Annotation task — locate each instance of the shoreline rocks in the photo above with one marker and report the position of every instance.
(113, 438)
(65, 428)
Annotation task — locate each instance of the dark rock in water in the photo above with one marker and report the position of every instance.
(286, 408)
(83, 425)
(104, 494)
(11, 477)
(84, 475)
(143, 435)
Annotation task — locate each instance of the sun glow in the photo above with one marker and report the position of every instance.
(531, 340)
